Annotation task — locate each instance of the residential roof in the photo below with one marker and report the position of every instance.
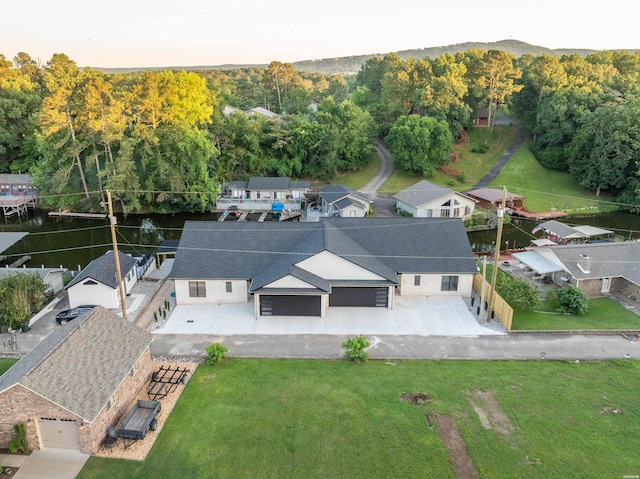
(424, 192)
(573, 232)
(274, 183)
(103, 269)
(168, 246)
(228, 110)
(266, 251)
(15, 179)
(537, 263)
(7, 240)
(333, 194)
(262, 111)
(600, 260)
(80, 365)
(492, 195)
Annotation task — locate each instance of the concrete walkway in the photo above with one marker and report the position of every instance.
(46, 463)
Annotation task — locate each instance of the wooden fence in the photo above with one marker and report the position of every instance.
(500, 307)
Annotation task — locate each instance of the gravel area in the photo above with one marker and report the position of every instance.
(494, 324)
(139, 449)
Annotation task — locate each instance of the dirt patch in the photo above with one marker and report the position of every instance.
(417, 398)
(138, 450)
(448, 170)
(490, 414)
(455, 446)
(611, 410)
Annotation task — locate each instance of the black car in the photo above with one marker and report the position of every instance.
(63, 317)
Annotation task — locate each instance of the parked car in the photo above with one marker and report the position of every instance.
(63, 317)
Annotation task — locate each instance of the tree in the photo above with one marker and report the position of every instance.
(419, 144)
(517, 291)
(498, 79)
(573, 300)
(21, 295)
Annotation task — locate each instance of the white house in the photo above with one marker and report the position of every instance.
(339, 200)
(98, 284)
(302, 269)
(260, 193)
(428, 200)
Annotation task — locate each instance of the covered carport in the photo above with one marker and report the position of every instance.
(537, 264)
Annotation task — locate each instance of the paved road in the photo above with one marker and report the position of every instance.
(383, 204)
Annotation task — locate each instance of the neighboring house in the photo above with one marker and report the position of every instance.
(52, 277)
(261, 193)
(262, 112)
(561, 233)
(428, 200)
(339, 200)
(491, 199)
(76, 382)
(301, 269)
(595, 268)
(228, 110)
(17, 194)
(98, 283)
(482, 117)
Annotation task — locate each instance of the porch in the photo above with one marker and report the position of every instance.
(264, 204)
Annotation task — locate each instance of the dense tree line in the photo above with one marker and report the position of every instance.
(160, 142)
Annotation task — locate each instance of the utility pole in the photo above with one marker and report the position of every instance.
(496, 254)
(112, 221)
(484, 275)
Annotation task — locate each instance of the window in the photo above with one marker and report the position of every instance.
(229, 287)
(449, 283)
(89, 282)
(197, 289)
(445, 213)
(352, 213)
(416, 280)
(428, 213)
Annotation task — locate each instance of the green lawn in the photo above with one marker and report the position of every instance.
(545, 189)
(6, 364)
(357, 179)
(603, 314)
(335, 419)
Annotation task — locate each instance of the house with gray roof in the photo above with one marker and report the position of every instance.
(428, 200)
(301, 269)
(340, 200)
(98, 282)
(596, 268)
(75, 383)
(562, 233)
(260, 193)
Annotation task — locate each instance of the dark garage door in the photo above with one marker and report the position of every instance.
(359, 297)
(290, 305)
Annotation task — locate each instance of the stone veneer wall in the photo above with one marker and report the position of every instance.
(591, 287)
(625, 288)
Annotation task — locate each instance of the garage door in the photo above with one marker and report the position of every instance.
(290, 305)
(359, 297)
(59, 433)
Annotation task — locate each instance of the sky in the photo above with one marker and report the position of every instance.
(155, 33)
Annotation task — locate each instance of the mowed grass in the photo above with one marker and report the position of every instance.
(6, 364)
(472, 165)
(357, 179)
(320, 419)
(544, 189)
(603, 314)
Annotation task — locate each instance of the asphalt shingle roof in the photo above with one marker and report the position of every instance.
(103, 269)
(81, 364)
(334, 193)
(421, 193)
(264, 252)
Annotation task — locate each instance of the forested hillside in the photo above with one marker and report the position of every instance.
(160, 140)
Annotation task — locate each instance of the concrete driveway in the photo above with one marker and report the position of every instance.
(433, 316)
(49, 463)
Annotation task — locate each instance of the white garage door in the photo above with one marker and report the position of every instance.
(60, 433)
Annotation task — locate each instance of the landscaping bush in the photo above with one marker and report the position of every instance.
(482, 148)
(215, 353)
(573, 301)
(19, 441)
(355, 348)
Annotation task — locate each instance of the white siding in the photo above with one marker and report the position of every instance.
(99, 293)
(289, 282)
(130, 278)
(430, 285)
(216, 292)
(329, 266)
(359, 212)
(401, 205)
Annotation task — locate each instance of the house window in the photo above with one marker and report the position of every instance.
(428, 213)
(352, 213)
(111, 401)
(456, 212)
(197, 289)
(449, 283)
(445, 213)
(90, 282)
(229, 287)
(416, 280)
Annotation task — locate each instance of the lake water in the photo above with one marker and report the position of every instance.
(73, 242)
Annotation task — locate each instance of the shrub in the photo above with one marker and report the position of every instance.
(573, 301)
(19, 441)
(483, 148)
(462, 178)
(215, 353)
(354, 348)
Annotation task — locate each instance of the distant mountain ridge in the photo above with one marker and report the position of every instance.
(352, 64)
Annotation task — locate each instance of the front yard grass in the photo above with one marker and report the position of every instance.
(359, 178)
(603, 314)
(6, 364)
(319, 419)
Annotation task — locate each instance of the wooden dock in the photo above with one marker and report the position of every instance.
(67, 213)
(17, 205)
(263, 216)
(19, 262)
(545, 215)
